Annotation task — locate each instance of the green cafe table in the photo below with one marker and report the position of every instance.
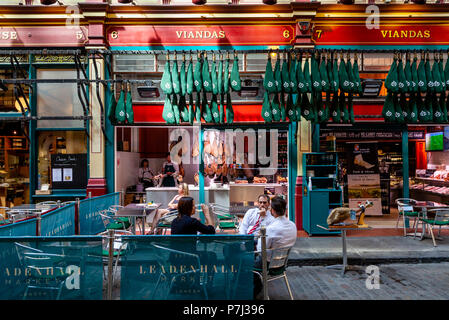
(137, 210)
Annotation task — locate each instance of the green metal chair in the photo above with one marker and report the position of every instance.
(406, 210)
(46, 271)
(120, 248)
(111, 222)
(164, 223)
(441, 218)
(277, 266)
(224, 219)
(172, 280)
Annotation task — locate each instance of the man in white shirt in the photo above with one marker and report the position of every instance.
(257, 217)
(281, 233)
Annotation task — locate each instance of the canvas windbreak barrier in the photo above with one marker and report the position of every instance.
(187, 267)
(53, 268)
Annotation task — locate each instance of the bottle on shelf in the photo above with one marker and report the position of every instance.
(310, 184)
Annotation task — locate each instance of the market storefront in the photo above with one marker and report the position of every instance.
(37, 130)
(392, 146)
(243, 154)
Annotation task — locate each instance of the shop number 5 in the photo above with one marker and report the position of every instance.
(241, 310)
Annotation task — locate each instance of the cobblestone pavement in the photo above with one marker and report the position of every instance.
(425, 281)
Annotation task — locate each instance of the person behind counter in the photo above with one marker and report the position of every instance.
(170, 170)
(145, 174)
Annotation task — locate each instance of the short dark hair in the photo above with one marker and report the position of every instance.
(278, 205)
(185, 206)
(265, 196)
(143, 161)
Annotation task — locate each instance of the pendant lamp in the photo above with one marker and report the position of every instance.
(269, 2)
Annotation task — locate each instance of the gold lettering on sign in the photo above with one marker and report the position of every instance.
(406, 34)
(200, 34)
(8, 35)
(114, 34)
(286, 34)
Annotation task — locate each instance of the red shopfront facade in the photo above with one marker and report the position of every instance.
(374, 36)
(250, 38)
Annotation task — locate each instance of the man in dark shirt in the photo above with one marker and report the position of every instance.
(185, 224)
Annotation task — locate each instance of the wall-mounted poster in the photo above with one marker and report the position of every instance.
(362, 187)
(363, 176)
(362, 158)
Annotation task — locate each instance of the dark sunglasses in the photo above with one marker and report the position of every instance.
(263, 202)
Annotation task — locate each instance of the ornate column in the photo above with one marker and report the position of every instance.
(303, 39)
(95, 13)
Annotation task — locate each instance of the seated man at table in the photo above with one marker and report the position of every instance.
(257, 217)
(281, 233)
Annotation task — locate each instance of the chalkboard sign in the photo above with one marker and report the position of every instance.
(69, 171)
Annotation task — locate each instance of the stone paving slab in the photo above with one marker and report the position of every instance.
(397, 282)
(329, 249)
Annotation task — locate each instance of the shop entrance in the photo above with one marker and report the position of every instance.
(371, 167)
(14, 165)
(238, 164)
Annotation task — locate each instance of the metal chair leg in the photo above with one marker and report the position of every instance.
(288, 286)
(25, 293)
(433, 237)
(397, 221)
(416, 226)
(403, 226)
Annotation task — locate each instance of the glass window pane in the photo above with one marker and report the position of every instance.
(58, 99)
(133, 63)
(256, 61)
(8, 101)
(57, 142)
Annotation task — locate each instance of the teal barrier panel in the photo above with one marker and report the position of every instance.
(59, 222)
(51, 268)
(89, 220)
(18, 229)
(206, 267)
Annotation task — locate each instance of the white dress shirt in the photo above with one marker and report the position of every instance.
(281, 233)
(250, 219)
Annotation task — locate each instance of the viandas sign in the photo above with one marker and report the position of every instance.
(359, 35)
(203, 35)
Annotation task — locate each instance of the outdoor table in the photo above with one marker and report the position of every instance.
(35, 206)
(29, 210)
(134, 210)
(343, 230)
(424, 206)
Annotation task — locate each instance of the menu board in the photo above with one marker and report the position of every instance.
(69, 171)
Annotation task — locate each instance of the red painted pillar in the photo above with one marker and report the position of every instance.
(298, 203)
